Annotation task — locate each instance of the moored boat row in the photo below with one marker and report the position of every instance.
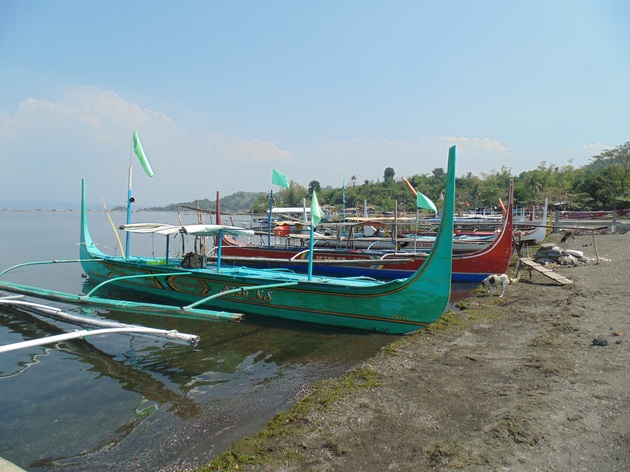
(397, 306)
(470, 266)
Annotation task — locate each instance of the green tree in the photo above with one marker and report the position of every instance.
(294, 195)
(612, 173)
(603, 184)
(468, 191)
(314, 185)
(388, 175)
(494, 187)
(261, 204)
(533, 184)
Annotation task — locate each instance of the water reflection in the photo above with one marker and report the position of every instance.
(112, 393)
(124, 402)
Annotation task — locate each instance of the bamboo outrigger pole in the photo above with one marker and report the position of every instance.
(75, 335)
(105, 326)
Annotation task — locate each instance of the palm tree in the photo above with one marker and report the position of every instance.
(533, 184)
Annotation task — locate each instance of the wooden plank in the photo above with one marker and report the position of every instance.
(530, 265)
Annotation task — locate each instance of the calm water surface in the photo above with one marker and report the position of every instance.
(125, 402)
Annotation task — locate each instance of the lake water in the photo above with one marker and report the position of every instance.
(125, 402)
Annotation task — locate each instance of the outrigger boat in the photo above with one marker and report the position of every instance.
(195, 289)
(535, 235)
(471, 267)
(398, 306)
(354, 240)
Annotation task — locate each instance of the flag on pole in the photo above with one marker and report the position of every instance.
(423, 201)
(137, 148)
(279, 179)
(502, 207)
(413, 190)
(316, 211)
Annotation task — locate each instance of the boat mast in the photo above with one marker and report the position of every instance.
(343, 199)
(270, 217)
(136, 148)
(343, 205)
(130, 200)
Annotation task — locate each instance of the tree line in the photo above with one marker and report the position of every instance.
(603, 184)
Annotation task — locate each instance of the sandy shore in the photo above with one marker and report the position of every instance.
(512, 383)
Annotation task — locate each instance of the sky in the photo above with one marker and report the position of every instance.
(220, 93)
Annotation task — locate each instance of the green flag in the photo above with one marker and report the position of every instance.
(279, 179)
(425, 202)
(316, 211)
(137, 148)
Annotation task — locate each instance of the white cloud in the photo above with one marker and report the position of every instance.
(47, 146)
(233, 149)
(482, 144)
(576, 156)
(591, 149)
(368, 158)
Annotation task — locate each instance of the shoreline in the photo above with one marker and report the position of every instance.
(512, 383)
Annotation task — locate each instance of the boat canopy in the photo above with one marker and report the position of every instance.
(386, 220)
(289, 210)
(215, 230)
(192, 230)
(150, 228)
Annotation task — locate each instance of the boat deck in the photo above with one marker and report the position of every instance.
(267, 274)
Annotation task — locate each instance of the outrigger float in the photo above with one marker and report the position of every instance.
(103, 326)
(211, 291)
(91, 299)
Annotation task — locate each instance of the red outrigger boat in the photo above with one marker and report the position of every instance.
(470, 267)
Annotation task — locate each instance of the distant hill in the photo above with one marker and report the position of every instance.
(239, 202)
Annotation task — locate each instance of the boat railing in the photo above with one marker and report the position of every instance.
(54, 261)
(389, 255)
(300, 254)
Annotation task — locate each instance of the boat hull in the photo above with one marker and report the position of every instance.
(461, 243)
(399, 310)
(398, 306)
(534, 235)
(471, 267)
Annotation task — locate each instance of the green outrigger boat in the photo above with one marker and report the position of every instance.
(398, 306)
